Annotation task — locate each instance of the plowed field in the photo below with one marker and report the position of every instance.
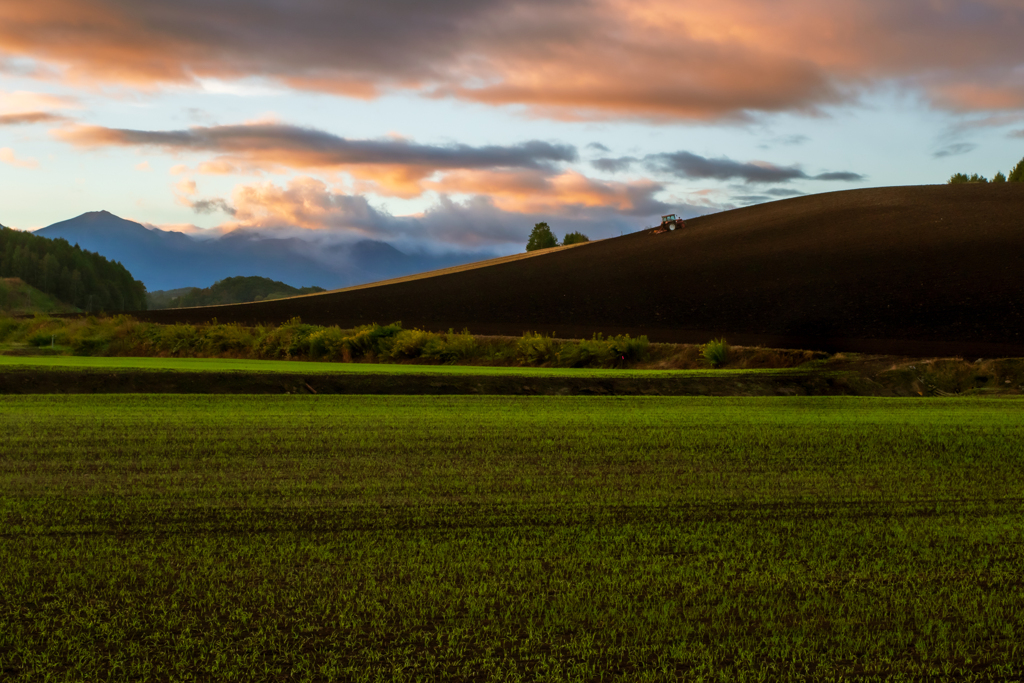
(909, 270)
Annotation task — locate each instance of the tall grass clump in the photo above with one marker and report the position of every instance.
(452, 347)
(716, 352)
(536, 349)
(603, 352)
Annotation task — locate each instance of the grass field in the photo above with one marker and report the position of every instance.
(312, 367)
(510, 538)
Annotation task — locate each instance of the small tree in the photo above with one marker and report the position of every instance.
(575, 238)
(1017, 174)
(999, 177)
(541, 238)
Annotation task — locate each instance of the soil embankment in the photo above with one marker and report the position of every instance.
(33, 381)
(925, 271)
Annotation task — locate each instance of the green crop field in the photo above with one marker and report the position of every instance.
(312, 367)
(364, 538)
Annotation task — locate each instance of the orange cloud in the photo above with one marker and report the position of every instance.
(309, 204)
(306, 203)
(26, 103)
(653, 59)
(8, 156)
(564, 193)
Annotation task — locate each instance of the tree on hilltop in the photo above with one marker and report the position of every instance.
(1017, 174)
(541, 238)
(574, 238)
(958, 178)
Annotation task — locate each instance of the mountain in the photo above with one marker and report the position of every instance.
(166, 260)
(929, 270)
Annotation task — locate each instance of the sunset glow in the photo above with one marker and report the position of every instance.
(593, 115)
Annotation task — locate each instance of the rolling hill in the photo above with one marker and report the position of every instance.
(916, 270)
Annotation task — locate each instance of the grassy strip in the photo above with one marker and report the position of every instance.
(559, 539)
(309, 367)
(294, 340)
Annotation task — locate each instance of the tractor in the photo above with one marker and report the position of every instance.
(669, 223)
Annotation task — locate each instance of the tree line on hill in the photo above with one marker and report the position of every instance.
(1016, 176)
(232, 290)
(543, 238)
(69, 273)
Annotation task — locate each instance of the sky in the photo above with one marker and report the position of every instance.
(460, 124)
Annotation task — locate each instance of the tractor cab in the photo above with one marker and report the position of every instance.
(669, 222)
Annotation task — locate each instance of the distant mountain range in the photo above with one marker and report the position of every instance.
(170, 260)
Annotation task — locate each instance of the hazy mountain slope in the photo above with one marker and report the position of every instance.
(169, 260)
(172, 260)
(233, 290)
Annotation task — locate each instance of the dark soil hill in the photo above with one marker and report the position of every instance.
(912, 270)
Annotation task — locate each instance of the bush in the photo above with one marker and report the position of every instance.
(575, 238)
(450, 347)
(178, 340)
(541, 238)
(285, 341)
(89, 346)
(232, 338)
(630, 350)
(999, 177)
(41, 338)
(536, 349)
(409, 344)
(603, 352)
(8, 327)
(372, 340)
(716, 352)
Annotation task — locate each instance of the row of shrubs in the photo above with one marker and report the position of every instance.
(126, 336)
(1016, 176)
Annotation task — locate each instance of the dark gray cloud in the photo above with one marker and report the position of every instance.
(839, 175)
(769, 195)
(297, 146)
(613, 165)
(1017, 133)
(30, 118)
(955, 149)
(598, 146)
(749, 199)
(212, 206)
(693, 166)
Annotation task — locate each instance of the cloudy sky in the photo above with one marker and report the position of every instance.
(461, 123)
